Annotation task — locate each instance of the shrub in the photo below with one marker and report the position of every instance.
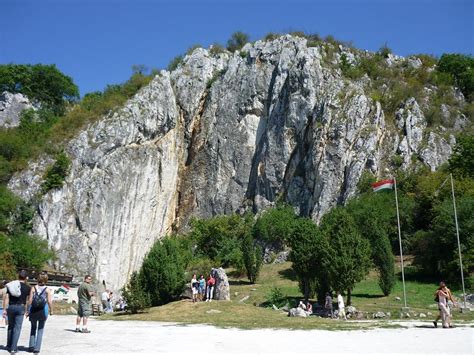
(201, 266)
(237, 41)
(162, 273)
(136, 298)
(192, 48)
(175, 63)
(276, 297)
(384, 51)
(274, 225)
(57, 173)
(30, 251)
(461, 69)
(216, 49)
(271, 36)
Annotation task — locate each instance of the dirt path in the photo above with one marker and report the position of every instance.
(127, 337)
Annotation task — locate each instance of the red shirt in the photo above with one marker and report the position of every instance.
(211, 281)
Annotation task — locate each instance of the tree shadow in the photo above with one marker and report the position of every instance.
(288, 274)
(366, 295)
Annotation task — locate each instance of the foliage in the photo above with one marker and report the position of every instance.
(175, 63)
(56, 174)
(220, 238)
(385, 51)
(274, 225)
(30, 251)
(347, 254)
(460, 68)
(237, 41)
(200, 266)
(136, 298)
(371, 226)
(276, 297)
(216, 49)
(162, 274)
(192, 48)
(461, 162)
(252, 255)
(307, 248)
(41, 83)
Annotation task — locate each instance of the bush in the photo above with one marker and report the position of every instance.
(175, 63)
(200, 266)
(57, 173)
(30, 251)
(274, 225)
(136, 298)
(162, 273)
(461, 69)
(216, 49)
(237, 41)
(276, 297)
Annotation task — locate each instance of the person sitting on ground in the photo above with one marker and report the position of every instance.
(302, 305)
(309, 308)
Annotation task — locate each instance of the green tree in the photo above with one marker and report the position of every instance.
(252, 256)
(7, 266)
(307, 256)
(162, 273)
(348, 254)
(41, 83)
(461, 69)
(237, 41)
(274, 225)
(137, 299)
(370, 226)
(30, 251)
(461, 162)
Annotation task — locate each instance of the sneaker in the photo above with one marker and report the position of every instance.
(435, 323)
(78, 330)
(86, 330)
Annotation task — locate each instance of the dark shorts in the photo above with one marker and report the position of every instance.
(85, 309)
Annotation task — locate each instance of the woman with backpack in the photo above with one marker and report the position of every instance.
(39, 307)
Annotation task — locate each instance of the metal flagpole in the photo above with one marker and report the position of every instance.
(400, 241)
(459, 243)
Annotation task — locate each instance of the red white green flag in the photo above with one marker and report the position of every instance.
(383, 184)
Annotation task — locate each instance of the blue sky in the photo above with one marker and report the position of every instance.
(96, 42)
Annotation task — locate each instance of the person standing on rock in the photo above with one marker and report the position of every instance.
(340, 305)
(84, 295)
(40, 305)
(14, 306)
(211, 281)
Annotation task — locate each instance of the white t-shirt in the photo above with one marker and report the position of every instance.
(105, 296)
(340, 302)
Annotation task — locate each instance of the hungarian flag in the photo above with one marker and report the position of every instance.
(383, 184)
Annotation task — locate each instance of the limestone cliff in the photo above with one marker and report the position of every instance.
(223, 133)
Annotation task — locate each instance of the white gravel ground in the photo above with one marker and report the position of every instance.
(129, 337)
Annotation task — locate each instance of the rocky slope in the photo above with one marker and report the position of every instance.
(222, 133)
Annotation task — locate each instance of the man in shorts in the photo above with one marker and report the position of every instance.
(84, 295)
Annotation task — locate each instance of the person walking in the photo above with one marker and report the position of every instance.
(328, 305)
(194, 287)
(14, 307)
(104, 298)
(39, 306)
(340, 306)
(446, 296)
(84, 294)
(211, 281)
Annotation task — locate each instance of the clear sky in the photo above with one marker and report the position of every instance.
(96, 42)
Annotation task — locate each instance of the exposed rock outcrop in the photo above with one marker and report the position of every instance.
(222, 133)
(11, 107)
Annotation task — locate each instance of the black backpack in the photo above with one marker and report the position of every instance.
(39, 301)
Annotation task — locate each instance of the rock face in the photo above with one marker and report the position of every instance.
(220, 134)
(11, 106)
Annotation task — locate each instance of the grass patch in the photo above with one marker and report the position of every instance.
(248, 315)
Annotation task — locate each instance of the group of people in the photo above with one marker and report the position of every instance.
(328, 306)
(22, 300)
(203, 288)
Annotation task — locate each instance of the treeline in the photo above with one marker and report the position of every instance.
(335, 255)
